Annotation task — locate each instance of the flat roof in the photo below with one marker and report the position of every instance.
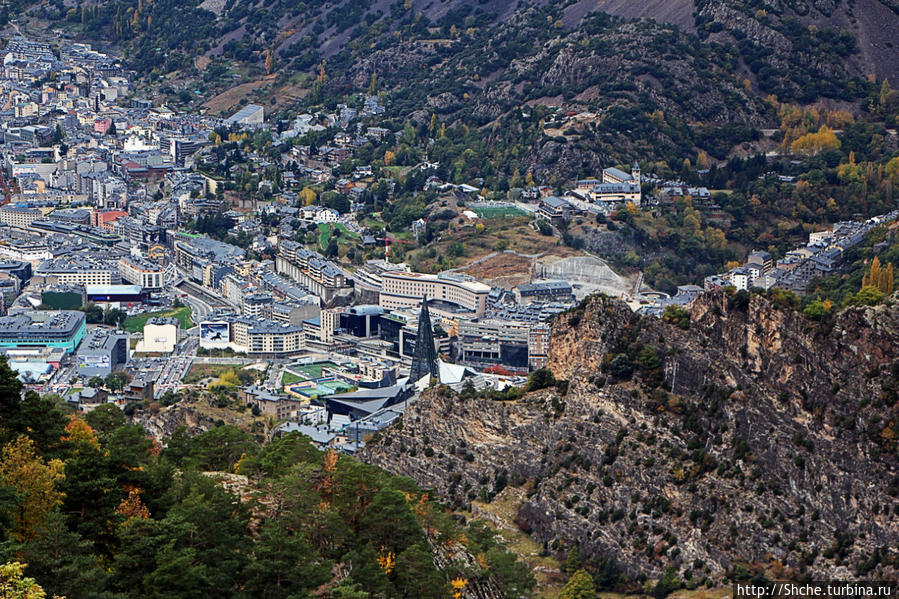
(42, 321)
(113, 289)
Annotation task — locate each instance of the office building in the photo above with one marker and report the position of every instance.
(43, 328)
(102, 352)
(20, 217)
(78, 269)
(445, 292)
(138, 271)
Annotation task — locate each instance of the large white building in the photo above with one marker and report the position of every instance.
(141, 272)
(253, 336)
(160, 336)
(617, 187)
(77, 270)
(406, 289)
(20, 217)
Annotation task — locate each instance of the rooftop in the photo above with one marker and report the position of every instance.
(42, 321)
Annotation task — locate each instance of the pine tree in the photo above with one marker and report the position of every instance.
(573, 560)
(579, 586)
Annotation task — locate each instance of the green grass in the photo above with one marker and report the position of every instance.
(314, 371)
(75, 390)
(324, 233)
(135, 324)
(499, 211)
(198, 372)
(288, 378)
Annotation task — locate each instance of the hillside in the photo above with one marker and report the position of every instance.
(97, 510)
(655, 80)
(755, 442)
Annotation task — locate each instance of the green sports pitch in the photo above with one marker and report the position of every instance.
(498, 211)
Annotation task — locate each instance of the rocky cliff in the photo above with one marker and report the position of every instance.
(754, 440)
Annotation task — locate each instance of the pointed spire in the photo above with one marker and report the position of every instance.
(424, 362)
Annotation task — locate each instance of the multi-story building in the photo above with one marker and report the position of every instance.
(514, 344)
(193, 254)
(554, 209)
(546, 291)
(102, 352)
(330, 321)
(15, 269)
(258, 305)
(279, 407)
(406, 289)
(20, 217)
(311, 270)
(538, 346)
(148, 275)
(160, 335)
(78, 269)
(253, 336)
(43, 328)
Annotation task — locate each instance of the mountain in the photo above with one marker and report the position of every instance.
(658, 80)
(739, 439)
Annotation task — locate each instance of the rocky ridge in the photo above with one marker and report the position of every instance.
(754, 441)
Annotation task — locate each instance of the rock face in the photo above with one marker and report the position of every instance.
(755, 439)
(163, 423)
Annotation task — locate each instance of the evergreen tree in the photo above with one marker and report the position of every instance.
(65, 563)
(417, 577)
(284, 564)
(579, 586)
(572, 560)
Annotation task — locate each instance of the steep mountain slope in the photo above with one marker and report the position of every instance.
(662, 79)
(247, 29)
(754, 441)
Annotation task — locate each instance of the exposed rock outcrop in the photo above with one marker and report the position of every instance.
(756, 439)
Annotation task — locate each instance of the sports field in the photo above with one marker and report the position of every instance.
(498, 211)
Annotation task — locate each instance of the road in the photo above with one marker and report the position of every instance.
(199, 309)
(173, 372)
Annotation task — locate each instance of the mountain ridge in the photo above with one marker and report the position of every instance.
(774, 453)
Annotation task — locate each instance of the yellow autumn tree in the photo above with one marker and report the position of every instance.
(79, 432)
(815, 143)
(308, 196)
(269, 61)
(34, 481)
(702, 160)
(132, 507)
(891, 170)
(432, 127)
(880, 277)
(387, 561)
(715, 238)
(330, 467)
(227, 379)
(14, 584)
(458, 584)
(389, 157)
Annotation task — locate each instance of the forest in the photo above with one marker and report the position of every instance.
(94, 508)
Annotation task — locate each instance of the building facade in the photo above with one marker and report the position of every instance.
(405, 290)
(42, 328)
